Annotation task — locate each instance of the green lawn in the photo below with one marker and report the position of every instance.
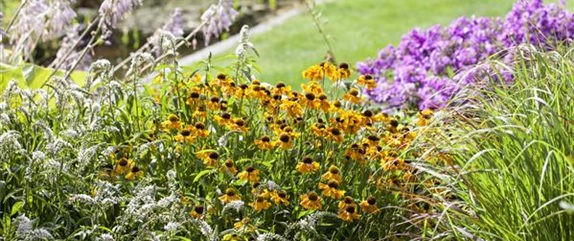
(359, 29)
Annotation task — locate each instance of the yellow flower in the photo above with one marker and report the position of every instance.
(313, 88)
(285, 141)
(311, 201)
(228, 166)
(232, 237)
(367, 81)
(209, 159)
(319, 130)
(424, 117)
(280, 197)
(346, 201)
(335, 134)
(198, 212)
(123, 165)
(343, 71)
(330, 189)
(239, 125)
(229, 196)
(307, 165)
(185, 135)
(310, 101)
(332, 174)
(349, 213)
(352, 96)
(260, 204)
(292, 107)
(134, 173)
(264, 143)
(200, 130)
(223, 119)
(369, 205)
(172, 122)
(250, 174)
(314, 72)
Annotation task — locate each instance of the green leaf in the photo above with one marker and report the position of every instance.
(201, 174)
(16, 207)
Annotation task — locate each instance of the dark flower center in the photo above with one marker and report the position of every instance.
(350, 208)
(284, 138)
(265, 139)
(213, 155)
(333, 184)
(313, 196)
(310, 96)
(371, 200)
(221, 76)
(307, 160)
(185, 132)
(250, 169)
(199, 209)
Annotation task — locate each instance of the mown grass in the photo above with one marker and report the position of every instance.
(358, 29)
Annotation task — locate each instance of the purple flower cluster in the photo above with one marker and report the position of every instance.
(430, 66)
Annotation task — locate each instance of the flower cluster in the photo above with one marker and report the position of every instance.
(429, 66)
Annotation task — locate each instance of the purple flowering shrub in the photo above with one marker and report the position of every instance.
(430, 66)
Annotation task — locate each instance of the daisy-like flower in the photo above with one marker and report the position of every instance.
(229, 196)
(369, 205)
(260, 204)
(292, 107)
(200, 130)
(352, 96)
(134, 173)
(123, 165)
(367, 81)
(239, 125)
(307, 165)
(198, 212)
(319, 130)
(311, 201)
(223, 119)
(331, 189)
(424, 117)
(324, 104)
(228, 166)
(349, 213)
(232, 237)
(310, 101)
(285, 141)
(185, 136)
(172, 122)
(313, 87)
(279, 197)
(344, 71)
(251, 174)
(210, 160)
(314, 73)
(264, 143)
(335, 134)
(332, 174)
(346, 201)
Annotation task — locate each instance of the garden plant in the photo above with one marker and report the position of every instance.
(464, 132)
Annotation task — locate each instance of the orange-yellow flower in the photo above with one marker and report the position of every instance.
(369, 205)
(185, 136)
(285, 141)
(307, 165)
(229, 196)
(135, 172)
(228, 166)
(250, 174)
(332, 174)
(198, 212)
(331, 189)
(311, 201)
(280, 197)
(424, 117)
(172, 122)
(349, 213)
(352, 96)
(264, 143)
(200, 130)
(367, 81)
(346, 201)
(260, 204)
